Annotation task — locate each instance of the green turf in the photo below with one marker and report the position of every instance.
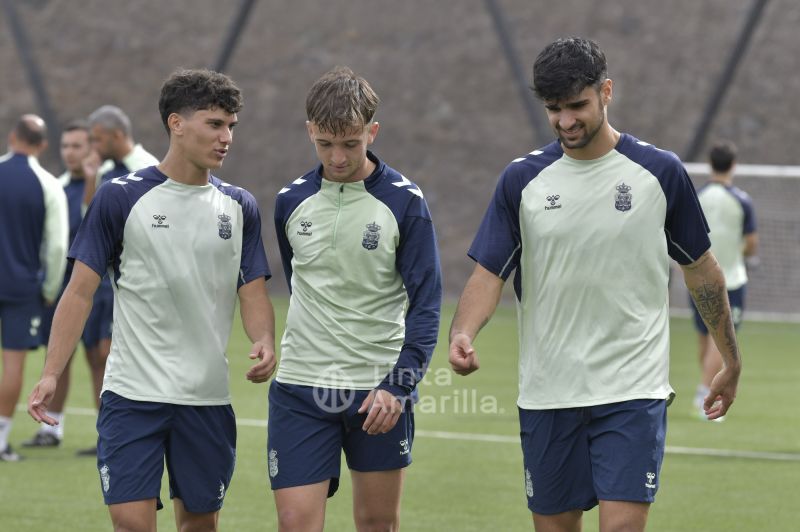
(469, 485)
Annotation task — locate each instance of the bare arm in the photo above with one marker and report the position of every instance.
(68, 322)
(475, 307)
(258, 319)
(750, 244)
(706, 285)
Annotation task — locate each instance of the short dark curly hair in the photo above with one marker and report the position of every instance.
(567, 66)
(189, 90)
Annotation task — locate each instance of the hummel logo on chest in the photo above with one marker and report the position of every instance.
(160, 219)
(552, 200)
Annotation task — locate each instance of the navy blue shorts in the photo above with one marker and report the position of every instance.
(574, 457)
(736, 299)
(309, 427)
(134, 438)
(99, 324)
(21, 324)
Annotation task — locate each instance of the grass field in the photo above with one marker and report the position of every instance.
(467, 473)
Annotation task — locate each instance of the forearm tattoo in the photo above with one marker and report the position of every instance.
(709, 300)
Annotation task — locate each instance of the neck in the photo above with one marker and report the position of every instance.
(722, 178)
(24, 149)
(603, 142)
(183, 171)
(126, 150)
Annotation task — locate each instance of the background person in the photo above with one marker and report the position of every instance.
(96, 337)
(734, 242)
(33, 249)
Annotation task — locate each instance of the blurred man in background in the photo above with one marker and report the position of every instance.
(114, 154)
(114, 151)
(734, 242)
(96, 337)
(33, 250)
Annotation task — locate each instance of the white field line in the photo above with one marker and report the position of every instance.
(498, 438)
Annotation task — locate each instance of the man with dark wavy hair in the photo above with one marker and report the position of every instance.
(589, 223)
(179, 245)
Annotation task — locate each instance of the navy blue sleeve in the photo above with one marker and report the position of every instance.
(254, 259)
(418, 263)
(497, 245)
(685, 225)
(99, 237)
(749, 225)
(282, 213)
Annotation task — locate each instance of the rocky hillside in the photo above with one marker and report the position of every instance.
(451, 114)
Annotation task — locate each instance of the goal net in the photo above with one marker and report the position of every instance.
(773, 289)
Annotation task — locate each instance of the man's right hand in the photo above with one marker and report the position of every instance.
(91, 164)
(463, 358)
(40, 398)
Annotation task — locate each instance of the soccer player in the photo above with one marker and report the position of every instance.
(588, 223)
(179, 245)
(114, 151)
(33, 249)
(96, 337)
(734, 240)
(360, 257)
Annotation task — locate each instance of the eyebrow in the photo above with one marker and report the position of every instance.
(569, 105)
(219, 121)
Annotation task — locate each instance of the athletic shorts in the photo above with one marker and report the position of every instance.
(309, 427)
(99, 324)
(574, 457)
(134, 438)
(21, 324)
(736, 299)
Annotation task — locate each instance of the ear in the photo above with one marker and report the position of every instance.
(606, 91)
(310, 130)
(175, 124)
(373, 132)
